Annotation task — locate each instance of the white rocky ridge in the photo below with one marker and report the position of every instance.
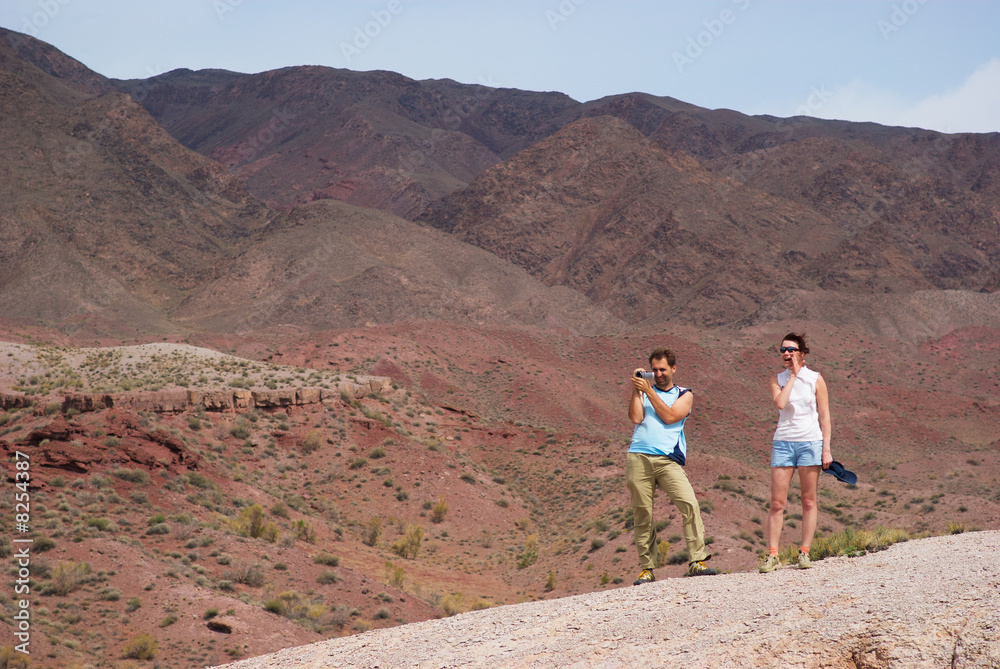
(927, 603)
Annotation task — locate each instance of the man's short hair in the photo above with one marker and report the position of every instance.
(661, 353)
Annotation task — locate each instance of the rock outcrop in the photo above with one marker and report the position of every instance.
(228, 399)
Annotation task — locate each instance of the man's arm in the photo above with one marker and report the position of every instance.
(636, 411)
(671, 414)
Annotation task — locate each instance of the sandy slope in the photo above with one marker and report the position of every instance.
(926, 603)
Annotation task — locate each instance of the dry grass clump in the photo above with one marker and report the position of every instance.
(251, 522)
(140, 647)
(408, 545)
(68, 576)
(850, 542)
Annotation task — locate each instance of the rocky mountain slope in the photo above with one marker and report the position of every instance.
(104, 216)
(652, 232)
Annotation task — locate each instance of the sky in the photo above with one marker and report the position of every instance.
(919, 63)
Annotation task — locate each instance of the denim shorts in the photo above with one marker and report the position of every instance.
(797, 453)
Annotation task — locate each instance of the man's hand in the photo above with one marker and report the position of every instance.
(639, 383)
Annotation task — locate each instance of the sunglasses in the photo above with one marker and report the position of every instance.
(788, 349)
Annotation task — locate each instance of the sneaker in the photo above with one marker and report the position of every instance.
(804, 561)
(699, 569)
(770, 564)
(645, 576)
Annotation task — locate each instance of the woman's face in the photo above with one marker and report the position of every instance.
(789, 350)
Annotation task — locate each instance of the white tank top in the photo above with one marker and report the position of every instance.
(799, 420)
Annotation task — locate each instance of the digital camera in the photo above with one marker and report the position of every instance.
(649, 376)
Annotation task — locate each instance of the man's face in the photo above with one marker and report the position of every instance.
(663, 373)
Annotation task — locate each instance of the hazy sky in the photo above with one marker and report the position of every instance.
(925, 63)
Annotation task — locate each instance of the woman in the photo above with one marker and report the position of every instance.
(802, 441)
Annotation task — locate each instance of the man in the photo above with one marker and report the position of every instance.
(656, 458)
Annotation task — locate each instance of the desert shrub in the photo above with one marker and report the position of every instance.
(550, 582)
(376, 453)
(408, 545)
(10, 658)
(251, 523)
(468, 478)
(43, 544)
(529, 555)
(140, 647)
(68, 576)
(381, 614)
(680, 557)
(240, 428)
(246, 573)
(110, 594)
(375, 415)
(199, 480)
(210, 613)
(451, 603)
(280, 509)
(358, 463)
(394, 575)
(133, 605)
(327, 576)
(159, 528)
(112, 442)
(297, 502)
(596, 544)
(311, 442)
(439, 510)
(373, 530)
(305, 531)
(102, 524)
(327, 559)
(300, 608)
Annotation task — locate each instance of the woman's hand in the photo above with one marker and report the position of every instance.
(797, 361)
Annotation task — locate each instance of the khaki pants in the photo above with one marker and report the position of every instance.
(643, 473)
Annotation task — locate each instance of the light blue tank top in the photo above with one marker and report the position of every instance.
(654, 437)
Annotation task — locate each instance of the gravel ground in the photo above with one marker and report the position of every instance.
(926, 603)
